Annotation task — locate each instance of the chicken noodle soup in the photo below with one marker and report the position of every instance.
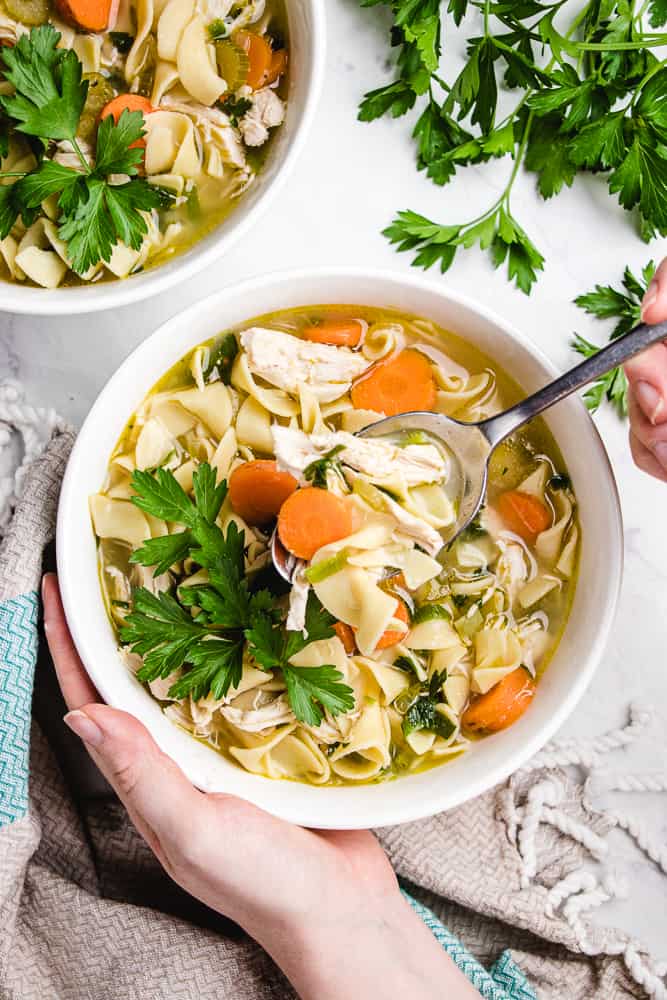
(389, 651)
(206, 82)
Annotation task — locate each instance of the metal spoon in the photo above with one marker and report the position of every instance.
(471, 445)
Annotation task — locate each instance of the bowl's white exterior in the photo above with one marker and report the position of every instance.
(489, 761)
(307, 60)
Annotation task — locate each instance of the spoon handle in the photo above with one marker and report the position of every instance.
(616, 353)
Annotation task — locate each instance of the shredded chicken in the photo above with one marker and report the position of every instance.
(375, 457)
(267, 112)
(255, 720)
(288, 363)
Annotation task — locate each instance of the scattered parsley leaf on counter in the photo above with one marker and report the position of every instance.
(624, 306)
(590, 97)
(162, 629)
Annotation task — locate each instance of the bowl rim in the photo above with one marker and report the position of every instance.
(401, 811)
(15, 298)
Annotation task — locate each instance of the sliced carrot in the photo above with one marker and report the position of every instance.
(311, 518)
(91, 15)
(128, 102)
(278, 66)
(524, 514)
(338, 332)
(260, 56)
(346, 635)
(403, 383)
(392, 636)
(257, 490)
(502, 705)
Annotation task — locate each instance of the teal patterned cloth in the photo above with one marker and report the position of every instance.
(18, 655)
(503, 981)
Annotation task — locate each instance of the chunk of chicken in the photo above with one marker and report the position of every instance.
(256, 720)
(267, 112)
(287, 362)
(374, 457)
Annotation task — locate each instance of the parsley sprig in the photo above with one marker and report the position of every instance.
(590, 97)
(624, 306)
(94, 212)
(205, 629)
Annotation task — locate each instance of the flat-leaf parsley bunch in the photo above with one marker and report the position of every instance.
(98, 204)
(205, 630)
(591, 96)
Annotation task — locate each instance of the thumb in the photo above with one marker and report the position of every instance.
(162, 803)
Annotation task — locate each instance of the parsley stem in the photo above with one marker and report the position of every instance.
(12, 173)
(79, 153)
(519, 158)
(645, 42)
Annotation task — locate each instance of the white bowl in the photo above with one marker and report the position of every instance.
(489, 761)
(307, 60)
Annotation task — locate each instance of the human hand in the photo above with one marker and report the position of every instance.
(325, 905)
(647, 395)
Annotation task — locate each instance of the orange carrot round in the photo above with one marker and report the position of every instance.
(257, 490)
(524, 514)
(392, 636)
(338, 332)
(277, 67)
(405, 382)
(311, 518)
(91, 15)
(260, 55)
(346, 635)
(502, 705)
(128, 102)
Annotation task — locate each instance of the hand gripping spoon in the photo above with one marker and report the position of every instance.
(470, 445)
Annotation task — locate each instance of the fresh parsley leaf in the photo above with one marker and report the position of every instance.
(311, 690)
(209, 495)
(49, 178)
(162, 496)
(606, 302)
(115, 140)
(160, 631)
(550, 156)
(163, 552)
(396, 98)
(50, 91)
(217, 666)
(10, 208)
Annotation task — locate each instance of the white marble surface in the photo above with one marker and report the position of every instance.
(350, 180)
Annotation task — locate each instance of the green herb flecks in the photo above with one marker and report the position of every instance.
(316, 473)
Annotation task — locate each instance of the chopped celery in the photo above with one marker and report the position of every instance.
(327, 567)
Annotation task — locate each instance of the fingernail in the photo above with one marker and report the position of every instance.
(84, 728)
(650, 296)
(649, 399)
(660, 452)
